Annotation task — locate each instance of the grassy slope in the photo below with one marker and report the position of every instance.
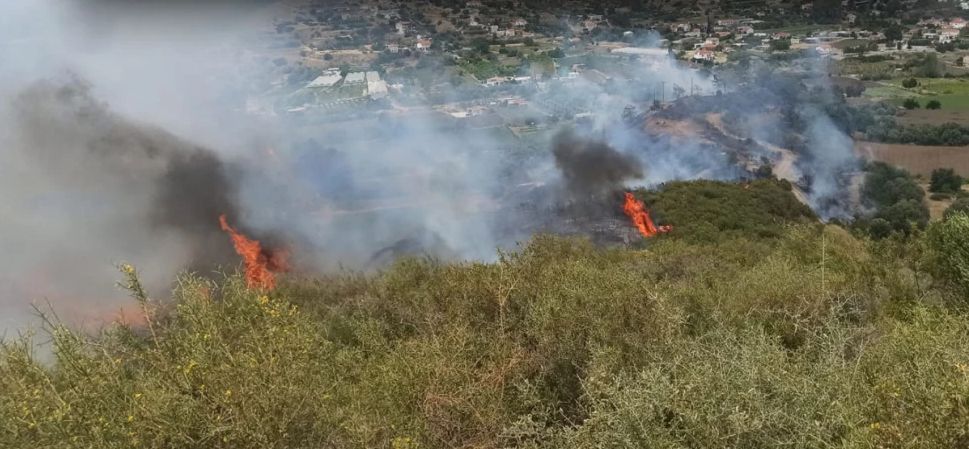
(803, 335)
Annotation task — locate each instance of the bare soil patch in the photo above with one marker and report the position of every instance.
(918, 159)
(934, 117)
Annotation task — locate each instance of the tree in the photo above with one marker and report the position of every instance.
(327, 57)
(678, 92)
(903, 214)
(529, 42)
(910, 83)
(911, 103)
(780, 44)
(945, 180)
(879, 228)
(764, 172)
(893, 33)
(933, 104)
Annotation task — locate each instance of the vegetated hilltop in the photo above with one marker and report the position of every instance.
(762, 328)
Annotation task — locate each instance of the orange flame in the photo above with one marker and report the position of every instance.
(636, 210)
(260, 264)
(747, 184)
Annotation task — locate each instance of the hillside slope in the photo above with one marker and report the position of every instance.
(803, 336)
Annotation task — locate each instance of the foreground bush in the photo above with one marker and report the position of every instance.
(809, 339)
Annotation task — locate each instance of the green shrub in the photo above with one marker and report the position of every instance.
(949, 240)
(959, 205)
(945, 180)
(911, 103)
(940, 196)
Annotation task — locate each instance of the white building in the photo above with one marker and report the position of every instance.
(355, 78)
(703, 55)
(327, 79)
(948, 34)
(376, 87)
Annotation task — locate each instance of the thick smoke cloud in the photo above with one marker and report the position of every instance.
(185, 187)
(591, 167)
(136, 157)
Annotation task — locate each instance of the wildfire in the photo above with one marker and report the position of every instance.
(260, 264)
(636, 210)
(747, 184)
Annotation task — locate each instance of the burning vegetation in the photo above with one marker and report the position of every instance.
(261, 264)
(637, 211)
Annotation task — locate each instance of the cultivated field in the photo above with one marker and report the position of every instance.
(916, 158)
(952, 93)
(934, 117)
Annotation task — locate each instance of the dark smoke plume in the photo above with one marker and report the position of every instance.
(88, 148)
(591, 167)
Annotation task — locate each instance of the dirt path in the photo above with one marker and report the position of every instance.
(784, 168)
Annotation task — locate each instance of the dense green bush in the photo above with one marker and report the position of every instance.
(711, 211)
(945, 180)
(897, 198)
(950, 241)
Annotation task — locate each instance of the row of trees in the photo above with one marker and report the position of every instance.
(949, 134)
(911, 103)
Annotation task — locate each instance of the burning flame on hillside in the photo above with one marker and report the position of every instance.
(260, 264)
(637, 211)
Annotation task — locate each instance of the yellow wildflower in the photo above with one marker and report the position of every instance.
(961, 367)
(117, 361)
(875, 426)
(137, 395)
(131, 418)
(191, 364)
(228, 393)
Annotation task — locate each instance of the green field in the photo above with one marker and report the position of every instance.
(952, 93)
